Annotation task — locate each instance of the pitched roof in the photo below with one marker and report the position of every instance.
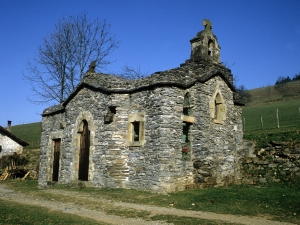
(13, 137)
(184, 76)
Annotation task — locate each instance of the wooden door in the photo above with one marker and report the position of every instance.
(83, 173)
(56, 159)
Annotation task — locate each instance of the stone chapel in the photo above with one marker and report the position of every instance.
(171, 131)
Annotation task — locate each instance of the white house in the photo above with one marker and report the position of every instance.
(9, 143)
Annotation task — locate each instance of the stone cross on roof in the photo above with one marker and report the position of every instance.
(92, 67)
(207, 24)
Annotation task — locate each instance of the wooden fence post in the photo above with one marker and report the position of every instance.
(277, 118)
(261, 121)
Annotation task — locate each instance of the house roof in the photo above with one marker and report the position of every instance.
(184, 77)
(13, 137)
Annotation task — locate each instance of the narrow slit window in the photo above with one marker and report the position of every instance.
(185, 132)
(186, 105)
(218, 103)
(210, 48)
(136, 131)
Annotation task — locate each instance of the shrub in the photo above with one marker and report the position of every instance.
(13, 161)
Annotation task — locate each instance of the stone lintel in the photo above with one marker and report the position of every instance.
(190, 119)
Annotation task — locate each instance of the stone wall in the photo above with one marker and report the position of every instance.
(158, 164)
(215, 144)
(277, 162)
(52, 127)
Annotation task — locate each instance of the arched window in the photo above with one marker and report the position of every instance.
(210, 48)
(217, 108)
(186, 105)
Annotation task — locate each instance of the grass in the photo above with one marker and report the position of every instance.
(289, 119)
(31, 133)
(269, 94)
(15, 213)
(274, 202)
(263, 137)
(288, 111)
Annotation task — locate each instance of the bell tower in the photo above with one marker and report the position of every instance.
(205, 44)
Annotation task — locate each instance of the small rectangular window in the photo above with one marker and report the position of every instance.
(136, 128)
(136, 131)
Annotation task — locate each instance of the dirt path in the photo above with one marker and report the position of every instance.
(8, 194)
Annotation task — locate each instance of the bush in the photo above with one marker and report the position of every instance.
(13, 161)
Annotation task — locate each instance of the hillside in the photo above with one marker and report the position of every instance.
(260, 121)
(269, 94)
(31, 133)
(288, 114)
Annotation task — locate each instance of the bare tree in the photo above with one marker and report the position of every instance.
(62, 59)
(131, 73)
(245, 96)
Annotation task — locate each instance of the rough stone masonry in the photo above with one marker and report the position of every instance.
(173, 130)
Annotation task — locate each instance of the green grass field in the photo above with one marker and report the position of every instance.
(288, 112)
(31, 133)
(289, 122)
(15, 213)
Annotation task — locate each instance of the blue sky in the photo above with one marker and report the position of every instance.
(259, 39)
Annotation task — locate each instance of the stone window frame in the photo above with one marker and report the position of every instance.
(132, 120)
(217, 107)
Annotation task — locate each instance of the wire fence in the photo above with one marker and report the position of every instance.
(271, 120)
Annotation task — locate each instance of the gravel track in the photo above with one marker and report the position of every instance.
(71, 208)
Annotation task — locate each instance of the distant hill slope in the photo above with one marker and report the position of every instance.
(270, 94)
(288, 113)
(261, 113)
(31, 133)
